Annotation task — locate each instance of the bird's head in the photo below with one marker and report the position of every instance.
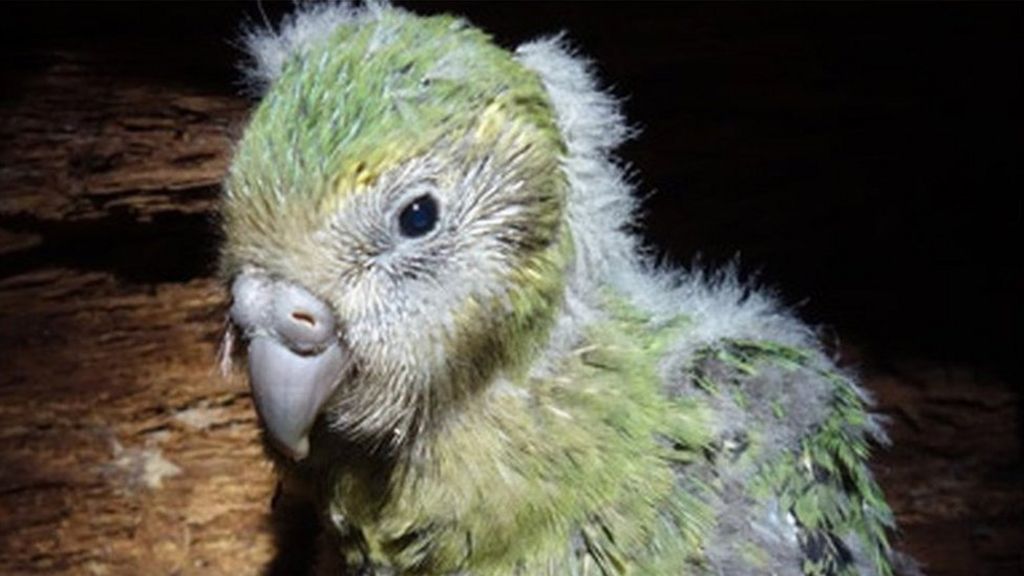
(394, 228)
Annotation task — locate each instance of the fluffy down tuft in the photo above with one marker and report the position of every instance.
(602, 209)
(311, 23)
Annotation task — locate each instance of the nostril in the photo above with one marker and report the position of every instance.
(303, 317)
(300, 319)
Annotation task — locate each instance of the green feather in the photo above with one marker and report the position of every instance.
(355, 105)
(824, 483)
(597, 470)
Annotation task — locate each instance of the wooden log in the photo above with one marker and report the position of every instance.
(124, 451)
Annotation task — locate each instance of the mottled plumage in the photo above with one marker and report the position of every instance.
(515, 388)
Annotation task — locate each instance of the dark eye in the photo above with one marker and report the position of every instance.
(418, 217)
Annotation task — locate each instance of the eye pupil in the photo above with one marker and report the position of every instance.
(418, 217)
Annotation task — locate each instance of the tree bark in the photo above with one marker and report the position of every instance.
(124, 451)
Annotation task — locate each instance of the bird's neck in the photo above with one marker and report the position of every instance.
(522, 464)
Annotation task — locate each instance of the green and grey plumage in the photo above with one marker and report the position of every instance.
(529, 395)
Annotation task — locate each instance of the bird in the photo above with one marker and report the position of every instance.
(460, 349)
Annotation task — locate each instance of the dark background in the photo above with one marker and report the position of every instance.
(862, 159)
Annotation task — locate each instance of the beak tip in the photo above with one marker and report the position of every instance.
(290, 391)
(298, 451)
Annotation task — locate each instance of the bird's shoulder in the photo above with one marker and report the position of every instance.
(785, 454)
(767, 435)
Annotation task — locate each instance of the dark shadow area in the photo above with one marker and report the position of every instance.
(171, 247)
(296, 527)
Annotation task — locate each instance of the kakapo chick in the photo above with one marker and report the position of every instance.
(457, 347)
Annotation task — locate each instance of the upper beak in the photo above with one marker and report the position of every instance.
(296, 360)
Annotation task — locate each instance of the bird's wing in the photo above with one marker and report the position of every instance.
(786, 464)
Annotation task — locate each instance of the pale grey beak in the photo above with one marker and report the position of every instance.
(296, 360)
